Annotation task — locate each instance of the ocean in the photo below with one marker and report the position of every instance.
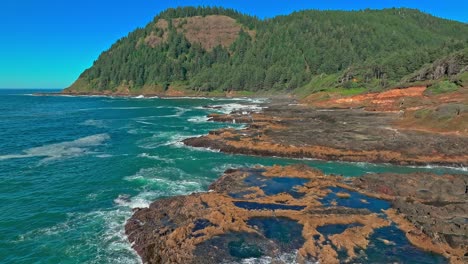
(73, 168)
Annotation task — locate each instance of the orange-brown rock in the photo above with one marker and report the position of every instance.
(391, 100)
(181, 229)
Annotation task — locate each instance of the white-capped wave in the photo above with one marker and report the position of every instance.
(68, 149)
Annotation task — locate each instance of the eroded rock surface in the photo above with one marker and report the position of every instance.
(293, 214)
(432, 204)
(300, 131)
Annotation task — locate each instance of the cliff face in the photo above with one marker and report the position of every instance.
(220, 50)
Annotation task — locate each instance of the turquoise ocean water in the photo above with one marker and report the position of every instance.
(72, 169)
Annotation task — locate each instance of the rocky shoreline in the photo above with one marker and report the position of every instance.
(299, 214)
(302, 131)
(325, 218)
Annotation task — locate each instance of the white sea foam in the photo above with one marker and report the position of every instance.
(92, 196)
(142, 97)
(95, 123)
(223, 167)
(133, 131)
(113, 240)
(460, 168)
(198, 119)
(231, 107)
(180, 111)
(102, 230)
(141, 200)
(138, 130)
(281, 258)
(71, 95)
(177, 140)
(164, 181)
(155, 157)
(257, 100)
(144, 122)
(68, 149)
(186, 97)
(245, 99)
(367, 165)
(164, 139)
(201, 148)
(104, 156)
(114, 108)
(326, 110)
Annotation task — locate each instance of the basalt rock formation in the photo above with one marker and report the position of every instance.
(298, 214)
(301, 131)
(434, 205)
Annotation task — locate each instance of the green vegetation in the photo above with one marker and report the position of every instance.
(352, 91)
(304, 52)
(317, 84)
(462, 79)
(442, 87)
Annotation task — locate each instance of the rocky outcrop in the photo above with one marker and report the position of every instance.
(298, 214)
(436, 205)
(446, 67)
(300, 131)
(392, 100)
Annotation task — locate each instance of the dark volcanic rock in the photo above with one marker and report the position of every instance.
(436, 204)
(277, 214)
(332, 134)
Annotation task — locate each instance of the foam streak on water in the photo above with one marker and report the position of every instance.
(56, 151)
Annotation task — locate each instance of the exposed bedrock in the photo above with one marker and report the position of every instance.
(436, 205)
(298, 214)
(332, 134)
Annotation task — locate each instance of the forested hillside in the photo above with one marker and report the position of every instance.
(216, 49)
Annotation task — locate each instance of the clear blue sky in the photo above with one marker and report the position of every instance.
(48, 43)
